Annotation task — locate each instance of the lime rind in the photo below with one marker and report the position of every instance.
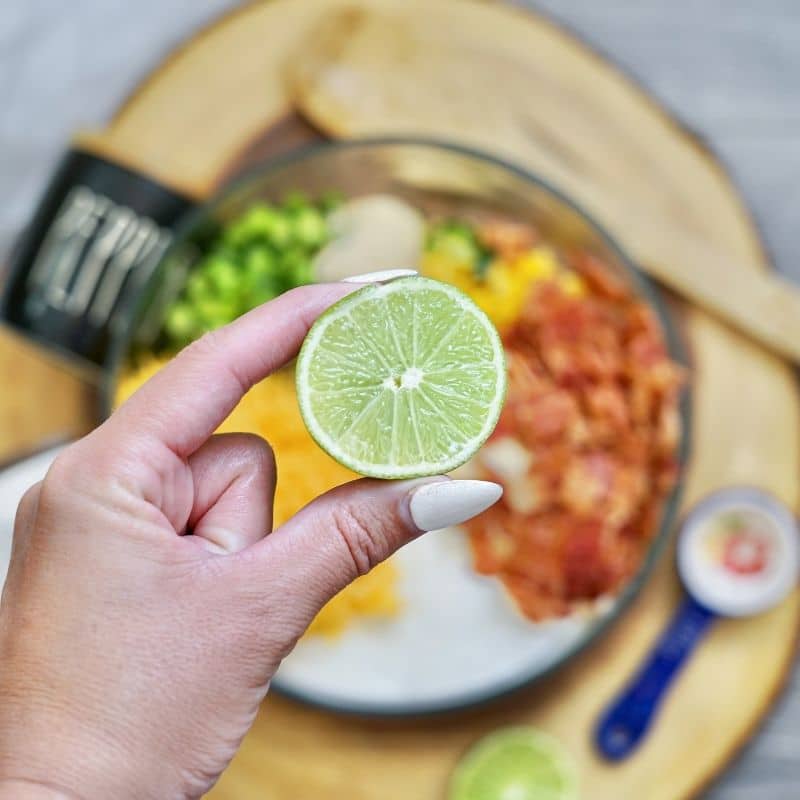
(341, 394)
(518, 763)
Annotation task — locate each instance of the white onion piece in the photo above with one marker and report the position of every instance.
(507, 458)
(371, 233)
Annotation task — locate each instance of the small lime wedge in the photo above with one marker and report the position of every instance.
(515, 764)
(402, 380)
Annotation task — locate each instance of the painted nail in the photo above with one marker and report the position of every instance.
(437, 505)
(383, 276)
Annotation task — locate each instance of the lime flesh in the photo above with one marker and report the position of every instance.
(402, 380)
(515, 764)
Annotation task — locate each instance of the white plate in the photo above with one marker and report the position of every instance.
(457, 641)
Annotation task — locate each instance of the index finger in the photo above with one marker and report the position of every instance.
(184, 403)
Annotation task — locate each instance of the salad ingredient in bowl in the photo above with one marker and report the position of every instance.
(263, 253)
(586, 447)
(379, 230)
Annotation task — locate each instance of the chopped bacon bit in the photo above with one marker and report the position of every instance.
(586, 572)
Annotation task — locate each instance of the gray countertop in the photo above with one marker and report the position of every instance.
(729, 68)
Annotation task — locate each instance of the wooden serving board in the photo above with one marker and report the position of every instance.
(224, 98)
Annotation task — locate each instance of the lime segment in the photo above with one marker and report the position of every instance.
(402, 380)
(515, 764)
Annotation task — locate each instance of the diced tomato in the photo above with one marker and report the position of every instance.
(585, 570)
(593, 409)
(587, 482)
(545, 417)
(645, 350)
(607, 402)
(535, 601)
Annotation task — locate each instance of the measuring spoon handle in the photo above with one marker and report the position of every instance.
(626, 720)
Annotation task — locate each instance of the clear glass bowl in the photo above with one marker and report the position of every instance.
(436, 177)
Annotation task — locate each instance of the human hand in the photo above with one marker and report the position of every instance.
(146, 608)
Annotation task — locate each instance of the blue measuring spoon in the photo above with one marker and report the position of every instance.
(737, 556)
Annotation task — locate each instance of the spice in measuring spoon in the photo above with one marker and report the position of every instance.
(738, 555)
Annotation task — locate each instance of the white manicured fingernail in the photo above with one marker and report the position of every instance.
(437, 505)
(383, 276)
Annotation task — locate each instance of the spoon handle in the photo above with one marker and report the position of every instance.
(626, 720)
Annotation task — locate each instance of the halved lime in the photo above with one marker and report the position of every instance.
(515, 764)
(402, 379)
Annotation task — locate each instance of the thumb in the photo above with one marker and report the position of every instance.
(346, 532)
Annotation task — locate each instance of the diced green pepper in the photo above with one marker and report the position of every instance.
(459, 242)
(455, 241)
(296, 201)
(181, 324)
(309, 228)
(296, 268)
(280, 232)
(198, 285)
(223, 277)
(330, 201)
(260, 220)
(215, 313)
(260, 262)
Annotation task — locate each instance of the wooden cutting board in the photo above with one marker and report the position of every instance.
(223, 99)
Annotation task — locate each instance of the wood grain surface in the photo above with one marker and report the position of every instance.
(300, 753)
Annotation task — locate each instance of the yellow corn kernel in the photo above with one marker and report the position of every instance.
(538, 264)
(571, 284)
